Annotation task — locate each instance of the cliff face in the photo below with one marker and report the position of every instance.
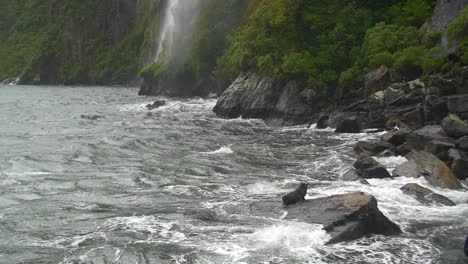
(77, 42)
(445, 12)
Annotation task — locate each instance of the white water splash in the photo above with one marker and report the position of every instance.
(222, 150)
(166, 38)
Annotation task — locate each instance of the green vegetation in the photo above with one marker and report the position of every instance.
(333, 43)
(74, 41)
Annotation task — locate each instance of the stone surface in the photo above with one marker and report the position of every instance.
(435, 146)
(434, 170)
(352, 175)
(368, 168)
(349, 125)
(458, 104)
(407, 169)
(377, 80)
(459, 163)
(322, 122)
(345, 217)
(454, 126)
(462, 143)
(419, 138)
(426, 195)
(396, 137)
(374, 148)
(156, 104)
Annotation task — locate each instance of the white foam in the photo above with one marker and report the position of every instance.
(221, 150)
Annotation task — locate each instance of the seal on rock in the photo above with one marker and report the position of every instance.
(296, 196)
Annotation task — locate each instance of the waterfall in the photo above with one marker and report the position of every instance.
(166, 38)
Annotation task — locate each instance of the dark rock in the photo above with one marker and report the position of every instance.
(435, 108)
(454, 126)
(278, 102)
(345, 217)
(414, 119)
(434, 170)
(350, 125)
(337, 117)
(419, 138)
(435, 146)
(377, 80)
(459, 163)
(367, 167)
(156, 104)
(322, 122)
(458, 104)
(462, 143)
(373, 148)
(406, 148)
(351, 175)
(396, 137)
(443, 156)
(426, 195)
(394, 122)
(407, 169)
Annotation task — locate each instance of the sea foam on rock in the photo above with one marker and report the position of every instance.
(345, 217)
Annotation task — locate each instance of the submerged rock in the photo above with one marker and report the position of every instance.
(454, 126)
(368, 168)
(349, 125)
(434, 170)
(345, 217)
(156, 104)
(426, 195)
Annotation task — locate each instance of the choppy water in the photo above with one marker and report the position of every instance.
(88, 175)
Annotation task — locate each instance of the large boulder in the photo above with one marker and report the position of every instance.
(407, 169)
(435, 146)
(377, 80)
(458, 104)
(396, 137)
(419, 138)
(345, 217)
(462, 143)
(459, 163)
(349, 125)
(367, 167)
(454, 126)
(435, 108)
(374, 148)
(426, 195)
(434, 170)
(322, 122)
(279, 102)
(352, 175)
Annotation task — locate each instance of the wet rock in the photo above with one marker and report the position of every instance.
(426, 195)
(396, 137)
(351, 175)
(434, 170)
(349, 125)
(407, 169)
(459, 163)
(156, 104)
(435, 108)
(462, 143)
(368, 168)
(335, 118)
(207, 215)
(419, 138)
(296, 196)
(374, 148)
(345, 217)
(454, 126)
(458, 104)
(435, 146)
(322, 122)
(414, 119)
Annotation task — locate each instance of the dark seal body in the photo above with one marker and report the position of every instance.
(296, 196)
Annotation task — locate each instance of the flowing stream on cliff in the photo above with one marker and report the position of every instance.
(89, 175)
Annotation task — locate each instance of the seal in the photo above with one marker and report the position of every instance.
(296, 196)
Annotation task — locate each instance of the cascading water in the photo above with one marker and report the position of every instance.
(168, 29)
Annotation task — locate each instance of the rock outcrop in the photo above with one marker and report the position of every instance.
(426, 195)
(368, 168)
(278, 102)
(454, 126)
(345, 217)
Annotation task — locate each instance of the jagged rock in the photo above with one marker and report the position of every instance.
(396, 137)
(435, 146)
(454, 126)
(322, 122)
(458, 163)
(419, 138)
(462, 143)
(351, 175)
(434, 170)
(394, 122)
(414, 119)
(435, 108)
(156, 104)
(336, 118)
(458, 104)
(277, 101)
(374, 148)
(426, 195)
(407, 169)
(368, 168)
(345, 217)
(377, 80)
(349, 125)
